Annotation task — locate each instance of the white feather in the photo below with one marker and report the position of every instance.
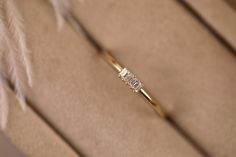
(14, 61)
(61, 8)
(15, 23)
(4, 106)
(16, 74)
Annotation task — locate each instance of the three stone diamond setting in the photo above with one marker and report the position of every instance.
(130, 79)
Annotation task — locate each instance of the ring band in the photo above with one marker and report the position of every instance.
(129, 78)
(133, 82)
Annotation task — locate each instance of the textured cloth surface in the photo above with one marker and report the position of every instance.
(7, 148)
(32, 136)
(191, 73)
(220, 15)
(177, 59)
(83, 97)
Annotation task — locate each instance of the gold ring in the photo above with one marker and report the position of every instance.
(133, 82)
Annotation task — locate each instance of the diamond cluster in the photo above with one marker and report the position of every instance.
(131, 80)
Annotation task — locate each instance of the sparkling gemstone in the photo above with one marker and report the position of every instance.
(124, 72)
(130, 79)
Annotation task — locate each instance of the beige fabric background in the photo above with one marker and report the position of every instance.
(32, 136)
(192, 74)
(7, 148)
(220, 15)
(188, 70)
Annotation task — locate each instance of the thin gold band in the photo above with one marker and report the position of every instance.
(135, 84)
(119, 68)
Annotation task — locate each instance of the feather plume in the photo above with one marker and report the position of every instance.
(14, 41)
(13, 49)
(14, 65)
(15, 25)
(4, 109)
(4, 106)
(61, 8)
(16, 76)
(63, 12)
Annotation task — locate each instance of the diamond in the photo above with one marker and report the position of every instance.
(130, 79)
(123, 73)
